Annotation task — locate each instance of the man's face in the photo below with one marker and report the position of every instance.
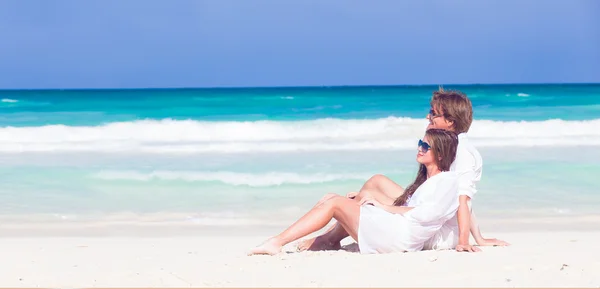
(437, 120)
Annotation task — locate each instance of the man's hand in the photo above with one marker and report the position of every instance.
(467, 248)
(492, 242)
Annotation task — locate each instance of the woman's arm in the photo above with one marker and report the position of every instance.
(369, 200)
(397, 209)
(439, 202)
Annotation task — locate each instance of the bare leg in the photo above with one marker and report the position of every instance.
(330, 240)
(382, 189)
(344, 210)
(321, 243)
(379, 187)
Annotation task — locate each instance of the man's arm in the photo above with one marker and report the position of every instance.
(481, 241)
(465, 168)
(464, 225)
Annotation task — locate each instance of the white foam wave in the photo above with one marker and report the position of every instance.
(230, 178)
(522, 94)
(170, 136)
(9, 100)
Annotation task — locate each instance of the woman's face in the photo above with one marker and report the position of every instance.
(424, 153)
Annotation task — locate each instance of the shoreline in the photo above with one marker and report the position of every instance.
(157, 229)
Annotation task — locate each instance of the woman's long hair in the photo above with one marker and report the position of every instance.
(443, 146)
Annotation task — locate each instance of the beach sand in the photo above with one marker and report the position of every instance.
(217, 258)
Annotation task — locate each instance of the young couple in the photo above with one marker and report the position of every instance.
(434, 212)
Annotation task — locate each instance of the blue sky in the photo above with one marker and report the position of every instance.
(179, 43)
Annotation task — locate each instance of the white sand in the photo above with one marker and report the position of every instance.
(547, 259)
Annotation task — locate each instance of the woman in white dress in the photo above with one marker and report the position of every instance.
(415, 217)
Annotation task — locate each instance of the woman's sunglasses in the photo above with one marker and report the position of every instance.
(425, 146)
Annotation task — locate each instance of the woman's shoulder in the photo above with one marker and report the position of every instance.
(443, 177)
(440, 184)
(447, 177)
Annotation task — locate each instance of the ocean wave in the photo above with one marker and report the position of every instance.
(230, 178)
(9, 100)
(171, 136)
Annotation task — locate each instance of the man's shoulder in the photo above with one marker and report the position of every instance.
(466, 148)
(467, 156)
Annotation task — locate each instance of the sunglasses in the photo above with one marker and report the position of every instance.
(425, 146)
(433, 115)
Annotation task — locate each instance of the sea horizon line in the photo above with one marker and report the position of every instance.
(299, 86)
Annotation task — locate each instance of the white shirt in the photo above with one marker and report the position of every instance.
(435, 202)
(468, 166)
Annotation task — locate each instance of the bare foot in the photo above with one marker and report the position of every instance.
(270, 247)
(305, 244)
(317, 244)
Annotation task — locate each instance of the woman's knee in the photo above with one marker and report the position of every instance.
(333, 200)
(375, 181)
(326, 197)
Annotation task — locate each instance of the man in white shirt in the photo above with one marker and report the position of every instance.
(450, 110)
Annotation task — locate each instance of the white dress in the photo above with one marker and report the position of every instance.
(468, 166)
(435, 202)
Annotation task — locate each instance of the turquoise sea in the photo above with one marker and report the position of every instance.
(255, 156)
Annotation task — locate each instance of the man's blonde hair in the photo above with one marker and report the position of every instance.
(455, 106)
